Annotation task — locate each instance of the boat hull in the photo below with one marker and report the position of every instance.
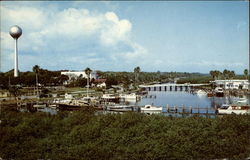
(224, 111)
(235, 109)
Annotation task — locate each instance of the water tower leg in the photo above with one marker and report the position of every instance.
(16, 60)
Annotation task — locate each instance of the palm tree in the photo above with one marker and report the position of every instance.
(231, 74)
(137, 70)
(87, 72)
(213, 74)
(217, 74)
(225, 73)
(246, 73)
(36, 69)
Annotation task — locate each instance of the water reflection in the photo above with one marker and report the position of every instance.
(28, 108)
(180, 98)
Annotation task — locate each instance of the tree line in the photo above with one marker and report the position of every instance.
(40, 76)
(226, 74)
(45, 77)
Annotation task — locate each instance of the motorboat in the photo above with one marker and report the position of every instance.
(39, 105)
(120, 108)
(210, 94)
(110, 98)
(88, 100)
(151, 108)
(234, 109)
(59, 100)
(219, 92)
(53, 106)
(201, 93)
(129, 97)
(242, 101)
(69, 107)
(68, 96)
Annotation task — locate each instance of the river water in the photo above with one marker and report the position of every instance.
(176, 98)
(180, 98)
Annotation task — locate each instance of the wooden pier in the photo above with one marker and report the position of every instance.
(170, 87)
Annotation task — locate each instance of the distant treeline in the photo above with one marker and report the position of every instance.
(29, 78)
(203, 79)
(85, 135)
(47, 78)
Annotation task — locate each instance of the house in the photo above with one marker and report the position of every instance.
(232, 84)
(75, 74)
(100, 83)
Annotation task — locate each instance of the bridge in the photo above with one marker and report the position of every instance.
(170, 86)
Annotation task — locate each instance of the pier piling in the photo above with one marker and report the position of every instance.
(190, 109)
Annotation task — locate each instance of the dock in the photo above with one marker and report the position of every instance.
(170, 86)
(190, 110)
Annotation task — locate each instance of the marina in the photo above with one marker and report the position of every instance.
(125, 80)
(153, 102)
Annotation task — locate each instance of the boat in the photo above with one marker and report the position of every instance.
(234, 109)
(69, 107)
(242, 101)
(120, 108)
(151, 108)
(201, 93)
(210, 94)
(53, 106)
(59, 100)
(129, 97)
(110, 98)
(89, 100)
(39, 105)
(219, 92)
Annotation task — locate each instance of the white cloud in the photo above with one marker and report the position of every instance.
(117, 30)
(31, 18)
(6, 41)
(69, 31)
(138, 51)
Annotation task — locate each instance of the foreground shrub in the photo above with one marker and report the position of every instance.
(84, 135)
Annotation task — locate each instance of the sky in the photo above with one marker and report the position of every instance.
(181, 36)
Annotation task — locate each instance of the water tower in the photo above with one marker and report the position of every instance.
(15, 32)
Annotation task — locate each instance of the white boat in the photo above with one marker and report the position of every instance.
(39, 105)
(242, 101)
(219, 92)
(129, 97)
(110, 98)
(234, 109)
(68, 96)
(89, 99)
(54, 106)
(201, 93)
(120, 108)
(151, 108)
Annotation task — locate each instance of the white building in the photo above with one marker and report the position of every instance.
(76, 74)
(232, 84)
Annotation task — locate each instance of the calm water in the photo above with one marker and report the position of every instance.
(180, 98)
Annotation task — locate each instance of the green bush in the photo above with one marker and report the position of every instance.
(84, 135)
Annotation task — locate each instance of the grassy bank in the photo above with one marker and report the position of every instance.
(83, 135)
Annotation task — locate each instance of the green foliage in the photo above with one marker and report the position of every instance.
(84, 135)
(29, 78)
(195, 80)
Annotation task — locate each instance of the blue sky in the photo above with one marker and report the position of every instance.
(192, 36)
